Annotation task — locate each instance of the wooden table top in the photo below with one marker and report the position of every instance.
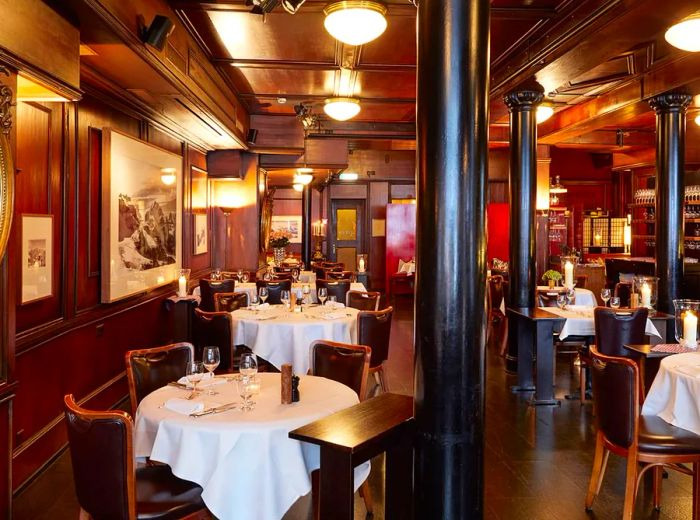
(534, 313)
(646, 351)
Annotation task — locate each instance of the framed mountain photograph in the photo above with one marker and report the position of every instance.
(37, 257)
(141, 216)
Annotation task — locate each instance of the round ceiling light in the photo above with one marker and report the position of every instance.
(685, 34)
(167, 176)
(342, 108)
(355, 22)
(298, 186)
(697, 120)
(303, 178)
(543, 113)
(305, 170)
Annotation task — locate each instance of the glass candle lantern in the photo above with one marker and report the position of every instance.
(183, 279)
(568, 270)
(647, 289)
(687, 312)
(362, 263)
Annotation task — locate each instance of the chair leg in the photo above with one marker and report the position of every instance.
(600, 461)
(658, 478)
(630, 485)
(316, 494)
(696, 491)
(366, 494)
(382, 379)
(504, 337)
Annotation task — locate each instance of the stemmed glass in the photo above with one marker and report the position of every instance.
(248, 365)
(247, 388)
(216, 274)
(306, 291)
(245, 277)
(570, 296)
(615, 302)
(254, 301)
(285, 298)
(239, 274)
(561, 301)
(322, 295)
(194, 374)
(295, 275)
(605, 296)
(211, 359)
(263, 293)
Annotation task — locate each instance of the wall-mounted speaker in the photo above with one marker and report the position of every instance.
(252, 135)
(156, 35)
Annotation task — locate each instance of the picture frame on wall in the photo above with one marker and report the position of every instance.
(291, 223)
(201, 234)
(141, 216)
(37, 257)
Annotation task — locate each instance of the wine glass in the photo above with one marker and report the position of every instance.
(306, 291)
(239, 274)
(263, 293)
(570, 295)
(285, 298)
(561, 301)
(248, 386)
(211, 359)
(322, 295)
(248, 364)
(245, 277)
(295, 275)
(615, 302)
(605, 296)
(194, 374)
(216, 274)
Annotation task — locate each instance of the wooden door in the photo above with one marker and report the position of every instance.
(347, 234)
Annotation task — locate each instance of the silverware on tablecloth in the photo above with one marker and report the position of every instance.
(216, 409)
(178, 385)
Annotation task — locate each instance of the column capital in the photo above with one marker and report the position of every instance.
(670, 102)
(523, 99)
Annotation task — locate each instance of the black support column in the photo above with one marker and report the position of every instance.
(670, 111)
(306, 237)
(452, 139)
(522, 181)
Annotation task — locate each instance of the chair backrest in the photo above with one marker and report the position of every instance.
(274, 289)
(616, 328)
(581, 280)
(333, 265)
(547, 298)
(495, 292)
(103, 461)
(341, 362)
(229, 302)
(364, 301)
(340, 275)
(213, 329)
(337, 288)
(616, 393)
(623, 290)
(209, 287)
(151, 368)
(374, 330)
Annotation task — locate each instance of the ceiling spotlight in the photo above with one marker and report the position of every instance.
(355, 22)
(262, 6)
(167, 176)
(292, 6)
(685, 35)
(303, 178)
(342, 108)
(156, 35)
(305, 116)
(348, 176)
(543, 113)
(298, 186)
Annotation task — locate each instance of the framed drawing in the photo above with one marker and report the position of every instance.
(37, 257)
(141, 216)
(201, 236)
(291, 223)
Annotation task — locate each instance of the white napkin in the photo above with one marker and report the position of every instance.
(183, 406)
(334, 305)
(261, 307)
(333, 315)
(207, 380)
(690, 370)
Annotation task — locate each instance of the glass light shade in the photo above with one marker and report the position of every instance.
(167, 176)
(686, 313)
(362, 263)
(647, 290)
(342, 109)
(543, 113)
(348, 176)
(303, 178)
(355, 22)
(298, 186)
(685, 35)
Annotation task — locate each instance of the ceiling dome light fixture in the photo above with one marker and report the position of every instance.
(167, 176)
(303, 178)
(348, 176)
(685, 34)
(697, 120)
(543, 113)
(305, 169)
(342, 108)
(298, 186)
(355, 22)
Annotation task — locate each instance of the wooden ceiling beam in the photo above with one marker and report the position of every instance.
(297, 98)
(311, 65)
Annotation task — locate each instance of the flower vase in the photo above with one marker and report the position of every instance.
(280, 254)
(550, 283)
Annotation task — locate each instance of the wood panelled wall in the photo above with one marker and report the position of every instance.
(70, 342)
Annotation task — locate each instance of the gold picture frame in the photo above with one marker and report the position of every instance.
(7, 170)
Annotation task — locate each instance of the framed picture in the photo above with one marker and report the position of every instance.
(141, 216)
(37, 257)
(291, 223)
(200, 233)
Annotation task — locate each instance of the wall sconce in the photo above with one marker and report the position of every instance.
(167, 176)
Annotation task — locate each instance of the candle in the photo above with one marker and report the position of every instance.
(182, 287)
(646, 295)
(361, 267)
(690, 329)
(568, 275)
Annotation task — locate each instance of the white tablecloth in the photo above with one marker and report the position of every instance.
(246, 464)
(584, 297)
(675, 394)
(579, 321)
(285, 337)
(251, 288)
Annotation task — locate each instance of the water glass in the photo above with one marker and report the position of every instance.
(285, 298)
(216, 274)
(561, 301)
(322, 295)
(245, 278)
(295, 275)
(248, 364)
(239, 274)
(605, 296)
(194, 374)
(263, 293)
(248, 387)
(211, 358)
(615, 302)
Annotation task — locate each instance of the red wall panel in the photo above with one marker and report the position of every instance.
(400, 236)
(498, 229)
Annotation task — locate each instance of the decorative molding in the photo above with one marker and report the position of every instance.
(670, 102)
(519, 100)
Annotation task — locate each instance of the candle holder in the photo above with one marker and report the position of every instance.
(183, 281)
(568, 270)
(362, 263)
(687, 312)
(647, 290)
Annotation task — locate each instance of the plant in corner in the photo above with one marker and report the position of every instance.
(551, 277)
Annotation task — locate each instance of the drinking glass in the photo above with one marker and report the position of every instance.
(306, 291)
(332, 299)
(322, 295)
(254, 301)
(194, 374)
(216, 274)
(615, 302)
(570, 296)
(248, 387)
(295, 275)
(263, 293)
(605, 296)
(248, 364)
(211, 358)
(245, 277)
(561, 301)
(285, 298)
(239, 274)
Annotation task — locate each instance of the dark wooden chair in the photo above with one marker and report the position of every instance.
(213, 329)
(229, 302)
(209, 287)
(374, 330)
(340, 275)
(364, 301)
(107, 483)
(151, 368)
(623, 290)
(274, 289)
(337, 288)
(642, 439)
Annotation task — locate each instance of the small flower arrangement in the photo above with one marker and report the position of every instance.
(551, 277)
(280, 238)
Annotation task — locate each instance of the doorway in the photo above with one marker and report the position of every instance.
(347, 231)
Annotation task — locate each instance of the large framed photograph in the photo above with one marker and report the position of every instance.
(291, 223)
(200, 233)
(141, 216)
(37, 257)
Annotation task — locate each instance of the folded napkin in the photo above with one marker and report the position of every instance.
(333, 315)
(689, 370)
(334, 305)
(207, 380)
(183, 406)
(261, 307)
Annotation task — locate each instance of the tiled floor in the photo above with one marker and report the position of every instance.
(538, 460)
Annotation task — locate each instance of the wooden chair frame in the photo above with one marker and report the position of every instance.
(219, 296)
(371, 294)
(378, 371)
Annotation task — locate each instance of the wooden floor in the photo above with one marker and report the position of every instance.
(538, 460)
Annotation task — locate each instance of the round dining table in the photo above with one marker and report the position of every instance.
(247, 466)
(280, 336)
(675, 393)
(250, 288)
